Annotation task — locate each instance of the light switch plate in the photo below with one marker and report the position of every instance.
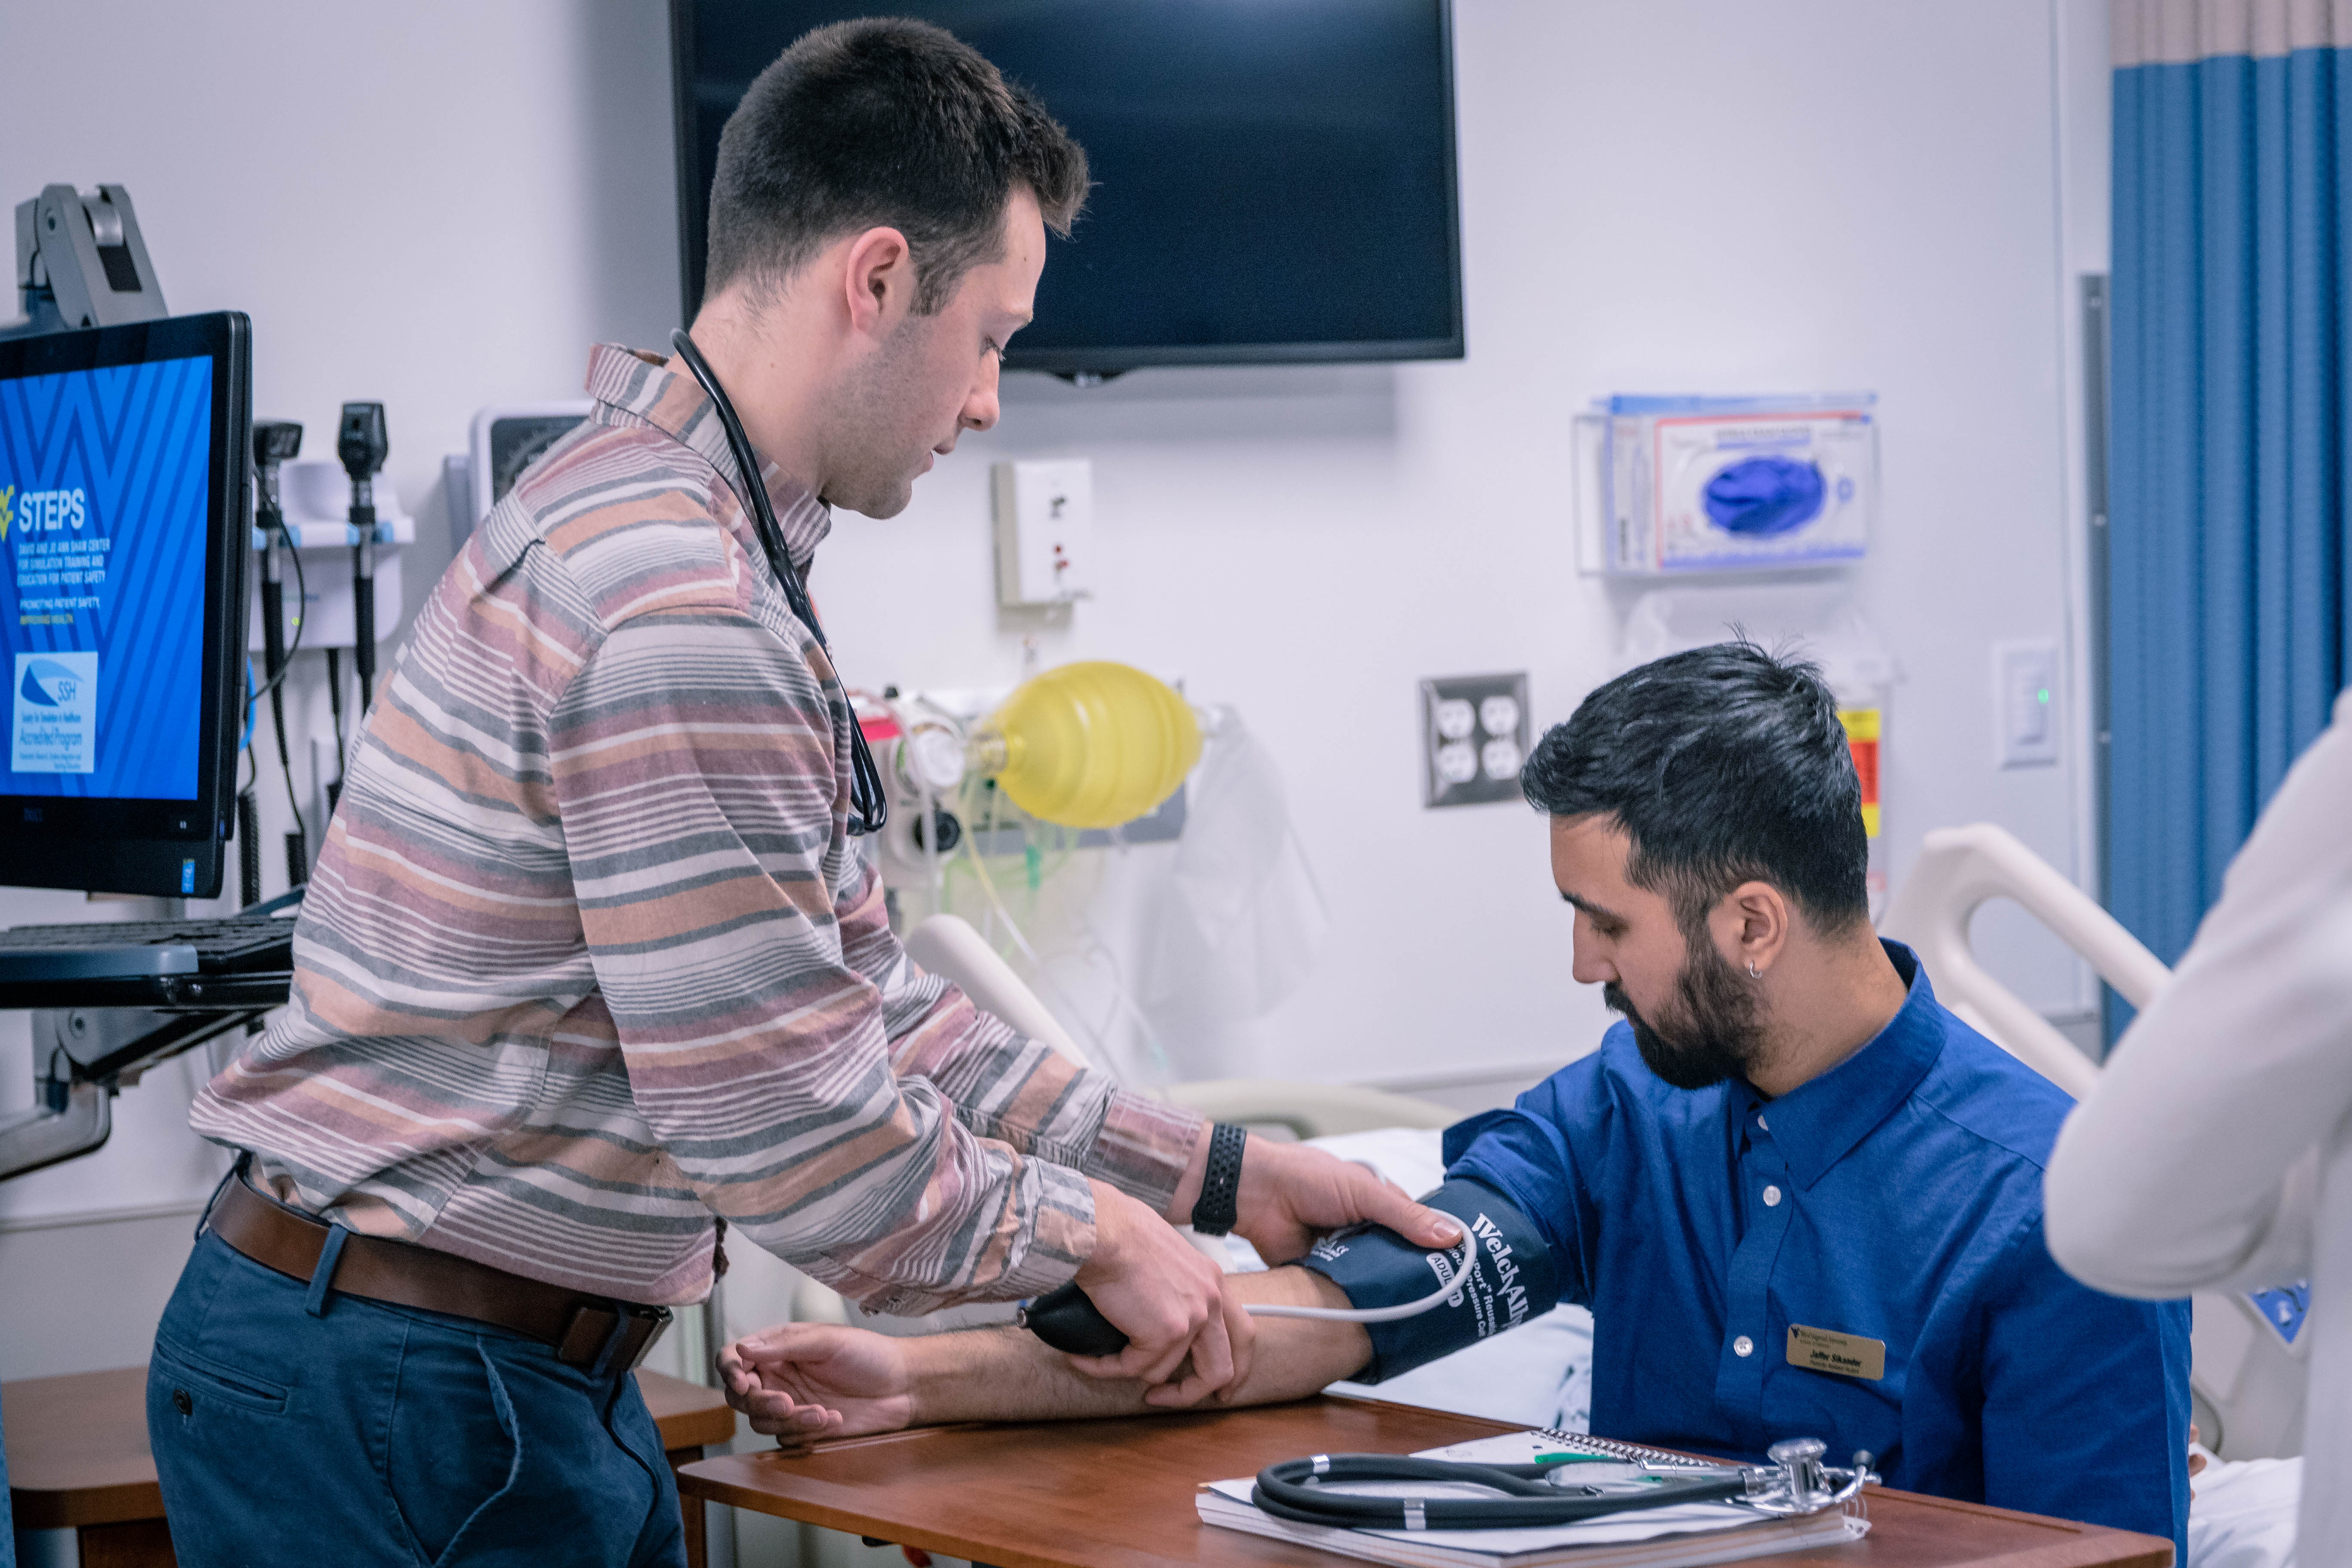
(2025, 703)
(1473, 736)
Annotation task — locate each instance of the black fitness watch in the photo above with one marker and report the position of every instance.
(1212, 1210)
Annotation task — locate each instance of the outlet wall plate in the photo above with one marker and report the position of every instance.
(1473, 736)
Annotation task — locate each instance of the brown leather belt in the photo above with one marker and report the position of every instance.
(584, 1331)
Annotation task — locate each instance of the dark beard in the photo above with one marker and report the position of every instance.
(1711, 1037)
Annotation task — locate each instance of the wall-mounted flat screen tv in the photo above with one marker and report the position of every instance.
(1274, 178)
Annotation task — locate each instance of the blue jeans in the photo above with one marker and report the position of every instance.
(292, 1424)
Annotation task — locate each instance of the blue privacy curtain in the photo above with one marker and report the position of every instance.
(2227, 638)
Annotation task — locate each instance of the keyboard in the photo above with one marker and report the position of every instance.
(138, 950)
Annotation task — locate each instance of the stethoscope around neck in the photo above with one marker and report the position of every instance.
(869, 802)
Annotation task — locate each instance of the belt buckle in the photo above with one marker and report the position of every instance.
(586, 1343)
(660, 1318)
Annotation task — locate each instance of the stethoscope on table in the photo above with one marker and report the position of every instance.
(869, 802)
(1795, 1482)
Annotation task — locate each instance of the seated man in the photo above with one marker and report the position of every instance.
(1799, 1196)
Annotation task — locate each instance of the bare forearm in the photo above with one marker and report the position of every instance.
(1006, 1374)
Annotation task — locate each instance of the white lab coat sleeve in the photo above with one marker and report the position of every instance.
(2195, 1159)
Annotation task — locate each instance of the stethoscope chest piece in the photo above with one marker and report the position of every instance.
(1801, 1483)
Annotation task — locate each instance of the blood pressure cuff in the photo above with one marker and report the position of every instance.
(1509, 1278)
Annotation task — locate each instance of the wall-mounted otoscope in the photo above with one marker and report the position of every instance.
(362, 444)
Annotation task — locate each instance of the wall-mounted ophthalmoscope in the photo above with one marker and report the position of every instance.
(362, 444)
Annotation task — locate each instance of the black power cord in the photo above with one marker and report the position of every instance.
(298, 843)
(275, 443)
(335, 706)
(248, 839)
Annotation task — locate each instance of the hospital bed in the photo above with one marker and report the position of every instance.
(948, 946)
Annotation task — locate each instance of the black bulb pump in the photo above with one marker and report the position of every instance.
(1068, 1320)
(869, 803)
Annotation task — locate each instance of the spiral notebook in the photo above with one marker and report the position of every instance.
(1678, 1537)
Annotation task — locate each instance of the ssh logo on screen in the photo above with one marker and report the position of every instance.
(57, 714)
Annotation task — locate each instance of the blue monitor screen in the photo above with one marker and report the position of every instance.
(103, 496)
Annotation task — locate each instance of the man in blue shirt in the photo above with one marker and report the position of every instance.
(1799, 1196)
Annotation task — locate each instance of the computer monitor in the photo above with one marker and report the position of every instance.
(124, 525)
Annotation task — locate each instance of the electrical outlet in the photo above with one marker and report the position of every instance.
(1473, 736)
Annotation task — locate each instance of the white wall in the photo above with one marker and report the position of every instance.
(1674, 195)
(441, 204)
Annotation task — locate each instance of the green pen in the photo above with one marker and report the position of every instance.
(1567, 1457)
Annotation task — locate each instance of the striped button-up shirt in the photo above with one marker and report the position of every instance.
(590, 954)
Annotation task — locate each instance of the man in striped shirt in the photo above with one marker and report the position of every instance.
(592, 969)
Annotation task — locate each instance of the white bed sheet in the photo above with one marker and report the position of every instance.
(2244, 1513)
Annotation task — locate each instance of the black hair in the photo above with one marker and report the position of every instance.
(1724, 765)
(889, 122)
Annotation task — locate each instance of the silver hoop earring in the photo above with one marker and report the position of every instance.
(1754, 973)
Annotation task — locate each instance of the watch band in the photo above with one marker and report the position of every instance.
(1212, 1210)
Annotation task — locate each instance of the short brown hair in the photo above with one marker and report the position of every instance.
(887, 122)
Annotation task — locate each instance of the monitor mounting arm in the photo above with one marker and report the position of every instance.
(80, 262)
(83, 1055)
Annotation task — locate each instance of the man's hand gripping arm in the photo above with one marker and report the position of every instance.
(798, 1379)
(803, 1382)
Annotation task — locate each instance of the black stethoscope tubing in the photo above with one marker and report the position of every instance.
(1532, 1498)
(869, 802)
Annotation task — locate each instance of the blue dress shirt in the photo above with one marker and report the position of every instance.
(1896, 1197)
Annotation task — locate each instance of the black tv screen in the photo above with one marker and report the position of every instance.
(1275, 179)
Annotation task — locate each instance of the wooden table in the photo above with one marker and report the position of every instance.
(1118, 1494)
(78, 1458)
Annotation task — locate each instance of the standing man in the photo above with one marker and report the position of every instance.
(592, 969)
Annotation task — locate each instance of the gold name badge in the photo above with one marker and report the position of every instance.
(1848, 1356)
